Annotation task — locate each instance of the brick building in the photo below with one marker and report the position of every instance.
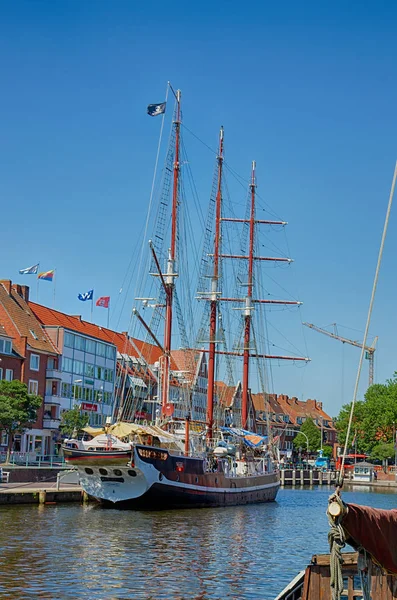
(286, 415)
(32, 352)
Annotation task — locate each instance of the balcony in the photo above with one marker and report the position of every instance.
(53, 374)
(52, 400)
(50, 423)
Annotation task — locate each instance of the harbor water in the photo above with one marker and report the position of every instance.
(70, 552)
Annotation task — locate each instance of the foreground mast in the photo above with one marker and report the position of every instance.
(168, 281)
(214, 295)
(248, 304)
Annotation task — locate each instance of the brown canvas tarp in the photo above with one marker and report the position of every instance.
(376, 531)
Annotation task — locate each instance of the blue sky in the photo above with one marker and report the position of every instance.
(308, 90)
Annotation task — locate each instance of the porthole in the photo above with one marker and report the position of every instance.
(196, 480)
(103, 471)
(89, 471)
(117, 472)
(132, 473)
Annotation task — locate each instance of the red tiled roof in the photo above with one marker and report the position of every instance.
(19, 321)
(124, 343)
(186, 360)
(226, 393)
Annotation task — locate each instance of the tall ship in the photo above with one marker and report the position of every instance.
(180, 461)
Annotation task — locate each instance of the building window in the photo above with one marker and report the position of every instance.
(66, 390)
(34, 362)
(110, 352)
(78, 367)
(89, 370)
(33, 387)
(69, 340)
(108, 375)
(1, 374)
(100, 349)
(79, 343)
(5, 346)
(67, 364)
(9, 374)
(99, 372)
(90, 346)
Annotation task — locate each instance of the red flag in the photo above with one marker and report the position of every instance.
(103, 301)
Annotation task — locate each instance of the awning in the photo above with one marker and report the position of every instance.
(253, 440)
(93, 430)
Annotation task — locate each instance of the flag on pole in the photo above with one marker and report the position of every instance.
(103, 301)
(86, 296)
(156, 109)
(47, 275)
(30, 270)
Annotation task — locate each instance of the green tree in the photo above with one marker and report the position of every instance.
(327, 451)
(382, 452)
(72, 421)
(18, 409)
(309, 436)
(374, 419)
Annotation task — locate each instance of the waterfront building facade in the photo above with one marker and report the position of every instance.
(32, 352)
(85, 372)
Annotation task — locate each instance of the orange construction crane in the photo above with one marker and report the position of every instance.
(370, 350)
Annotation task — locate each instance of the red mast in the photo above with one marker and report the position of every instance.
(248, 304)
(214, 294)
(170, 274)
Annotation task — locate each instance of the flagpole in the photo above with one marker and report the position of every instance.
(108, 312)
(92, 306)
(37, 282)
(55, 278)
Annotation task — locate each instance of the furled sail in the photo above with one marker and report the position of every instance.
(375, 531)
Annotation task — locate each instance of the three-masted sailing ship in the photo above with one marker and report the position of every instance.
(224, 465)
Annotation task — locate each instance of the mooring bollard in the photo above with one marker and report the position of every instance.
(320, 478)
(42, 496)
(293, 477)
(311, 476)
(302, 477)
(283, 478)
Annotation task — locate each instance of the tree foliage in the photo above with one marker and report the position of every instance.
(374, 419)
(72, 421)
(327, 451)
(313, 441)
(382, 451)
(18, 409)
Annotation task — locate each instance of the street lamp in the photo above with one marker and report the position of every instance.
(307, 440)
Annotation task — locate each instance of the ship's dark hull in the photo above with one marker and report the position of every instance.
(163, 497)
(155, 479)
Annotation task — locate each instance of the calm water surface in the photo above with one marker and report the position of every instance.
(70, 552)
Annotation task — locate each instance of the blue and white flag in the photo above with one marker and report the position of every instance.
(156, 109)
(86, 296)
(30, 270)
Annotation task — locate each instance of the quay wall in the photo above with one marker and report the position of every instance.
(32, 474)
(41, 497)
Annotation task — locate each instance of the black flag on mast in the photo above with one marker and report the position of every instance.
(156, 109)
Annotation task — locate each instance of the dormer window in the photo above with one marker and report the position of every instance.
(33, 334)
(5, 346)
